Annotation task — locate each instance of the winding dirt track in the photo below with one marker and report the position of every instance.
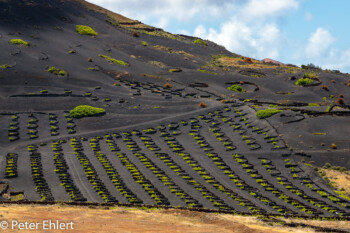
(104, 131)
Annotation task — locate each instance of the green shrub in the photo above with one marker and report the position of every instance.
(135, 34)
(236, 88)
(56, 71)
(262, 114)
(310, 75)
(144, 43)
(6, 66)
(110, 59)
(329, 108)
(319, 133)
(206, 71)
(310, 66)
(86, 30)
(19, 41)
(201, 42)
(157, 63)
(53, 70)
(304, 81)
(62, 73)
(175, 70)
(313, 105)
(17, 197)
(255, 76)
(86, 111)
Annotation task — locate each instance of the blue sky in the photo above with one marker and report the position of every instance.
(291, 31)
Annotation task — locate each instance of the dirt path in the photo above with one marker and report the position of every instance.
(104, 131)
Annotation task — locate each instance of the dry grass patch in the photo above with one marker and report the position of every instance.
(2, 186)
(135, 34)
(168, 85)
(202, 105)
(185, 53)
(325, 87)
(157, 63)
(250, 63)
(339, 179)
(340, 225)
(170, 50)
(152, 76)
(123, 219)
(155, 32)
(120, 219)
(340, 101)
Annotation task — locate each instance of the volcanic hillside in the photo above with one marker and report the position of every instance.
(184, 121)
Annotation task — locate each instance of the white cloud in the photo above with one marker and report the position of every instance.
(319, 43)
(308, 16)
(261, 9)
(165, 10)
(253, 31)
(335, 59)
(200, 31)
(344, 60)
(320, 51)
(257, 41)
(162, 23)
(183, 32)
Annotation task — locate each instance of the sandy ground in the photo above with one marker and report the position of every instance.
(119, 219)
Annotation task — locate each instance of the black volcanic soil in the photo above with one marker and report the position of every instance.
(215, 156)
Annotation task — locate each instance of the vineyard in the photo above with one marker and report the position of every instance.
(176, 122)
